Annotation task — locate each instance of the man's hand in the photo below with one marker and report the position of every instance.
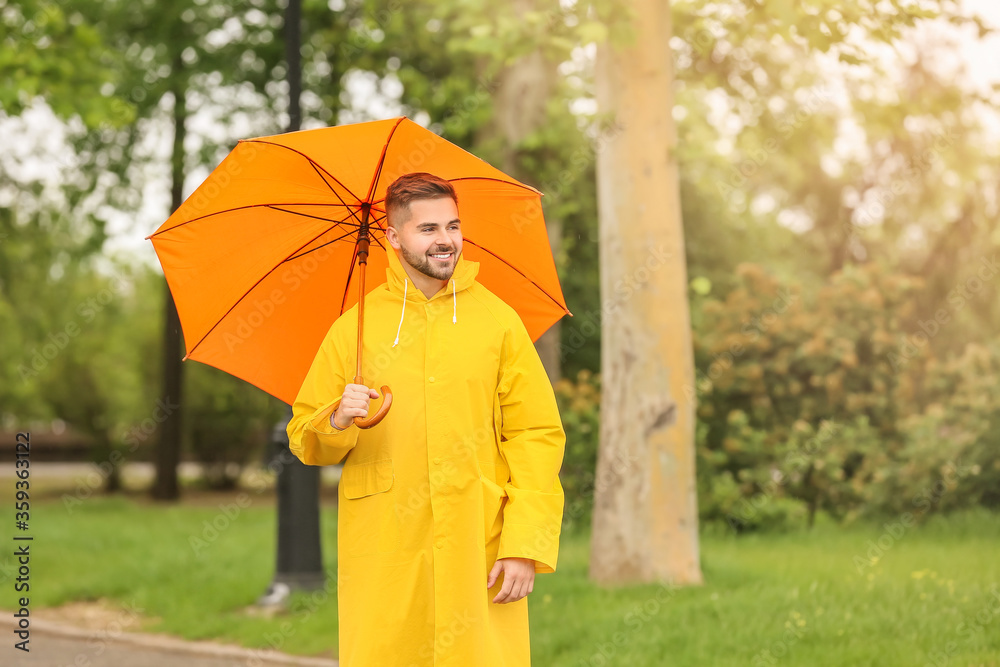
(354, 403)
(518, 578)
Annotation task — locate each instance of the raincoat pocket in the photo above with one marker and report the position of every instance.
(367, 523)
(365, 479)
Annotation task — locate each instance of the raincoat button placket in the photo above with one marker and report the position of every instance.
(438, 485)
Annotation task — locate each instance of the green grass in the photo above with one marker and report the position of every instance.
(792, 599)
(799, 595)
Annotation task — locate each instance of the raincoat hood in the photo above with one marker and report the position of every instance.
(399, 283)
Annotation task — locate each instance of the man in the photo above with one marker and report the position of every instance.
(451, 505)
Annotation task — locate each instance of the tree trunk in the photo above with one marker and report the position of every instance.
(645, 525)
(519, 102)
(549, 346)
(113, 480)
(168, 450)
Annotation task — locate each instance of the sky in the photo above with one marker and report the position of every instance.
(41, 136)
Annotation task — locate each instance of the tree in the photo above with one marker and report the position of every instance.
(645, 525)
(172, 52)
(48, 52)
(521, 98)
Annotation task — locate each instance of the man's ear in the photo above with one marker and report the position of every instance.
(392, 236)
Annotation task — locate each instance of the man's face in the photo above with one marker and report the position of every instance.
(431, 239)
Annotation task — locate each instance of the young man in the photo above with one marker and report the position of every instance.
(451, 505)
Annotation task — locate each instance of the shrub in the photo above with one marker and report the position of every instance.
(833, 401)
(579, 404)
(839, 402)
(951, 456)
(229, 423)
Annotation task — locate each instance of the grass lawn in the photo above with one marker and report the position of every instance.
(805, 598)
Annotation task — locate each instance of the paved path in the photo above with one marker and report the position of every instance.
(57, 645)
(55, 651)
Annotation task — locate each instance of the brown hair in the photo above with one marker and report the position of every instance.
(411, 187)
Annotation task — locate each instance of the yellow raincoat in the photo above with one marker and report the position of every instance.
(462, 471)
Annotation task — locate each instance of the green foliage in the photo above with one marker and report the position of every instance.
(71, 331)
(579, 407)
(85, 347)
(833, 401)
(769, 119)
(949, 460)
(50, 50)
(229, 423)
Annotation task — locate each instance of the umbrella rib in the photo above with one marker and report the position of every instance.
(350, 274)
(379, 227)
(498, 180)
(252, 287)
(317, 169)
(381, 161)
(314, 217)
(240, 208)
(322, 245)
(540, 288)
(336, 194)
(315, 166)
(378, 243)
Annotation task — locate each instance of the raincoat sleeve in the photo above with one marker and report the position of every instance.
(532, 443)
(311, 437)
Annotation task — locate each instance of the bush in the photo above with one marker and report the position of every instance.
(951, 456)
(579, 405)
(229, 423)
(829, 402)
(833, 403)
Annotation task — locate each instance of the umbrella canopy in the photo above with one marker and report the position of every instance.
(260, 259)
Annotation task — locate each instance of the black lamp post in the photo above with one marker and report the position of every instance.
(300, 553)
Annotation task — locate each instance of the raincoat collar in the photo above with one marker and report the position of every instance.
(464, 275)
(399, 283)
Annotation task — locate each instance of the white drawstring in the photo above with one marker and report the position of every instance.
(454, 308)
(401, 314)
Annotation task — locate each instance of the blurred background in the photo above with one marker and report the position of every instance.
(840, 185)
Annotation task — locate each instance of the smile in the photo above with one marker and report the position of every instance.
(443, 257)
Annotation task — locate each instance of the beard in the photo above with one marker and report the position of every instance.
(430, 267)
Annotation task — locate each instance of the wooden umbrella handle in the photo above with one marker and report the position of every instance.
(372, 420)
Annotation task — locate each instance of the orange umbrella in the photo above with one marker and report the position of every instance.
(280, 224)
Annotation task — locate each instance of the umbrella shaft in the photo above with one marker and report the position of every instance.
(362, 265)
(361, 308)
